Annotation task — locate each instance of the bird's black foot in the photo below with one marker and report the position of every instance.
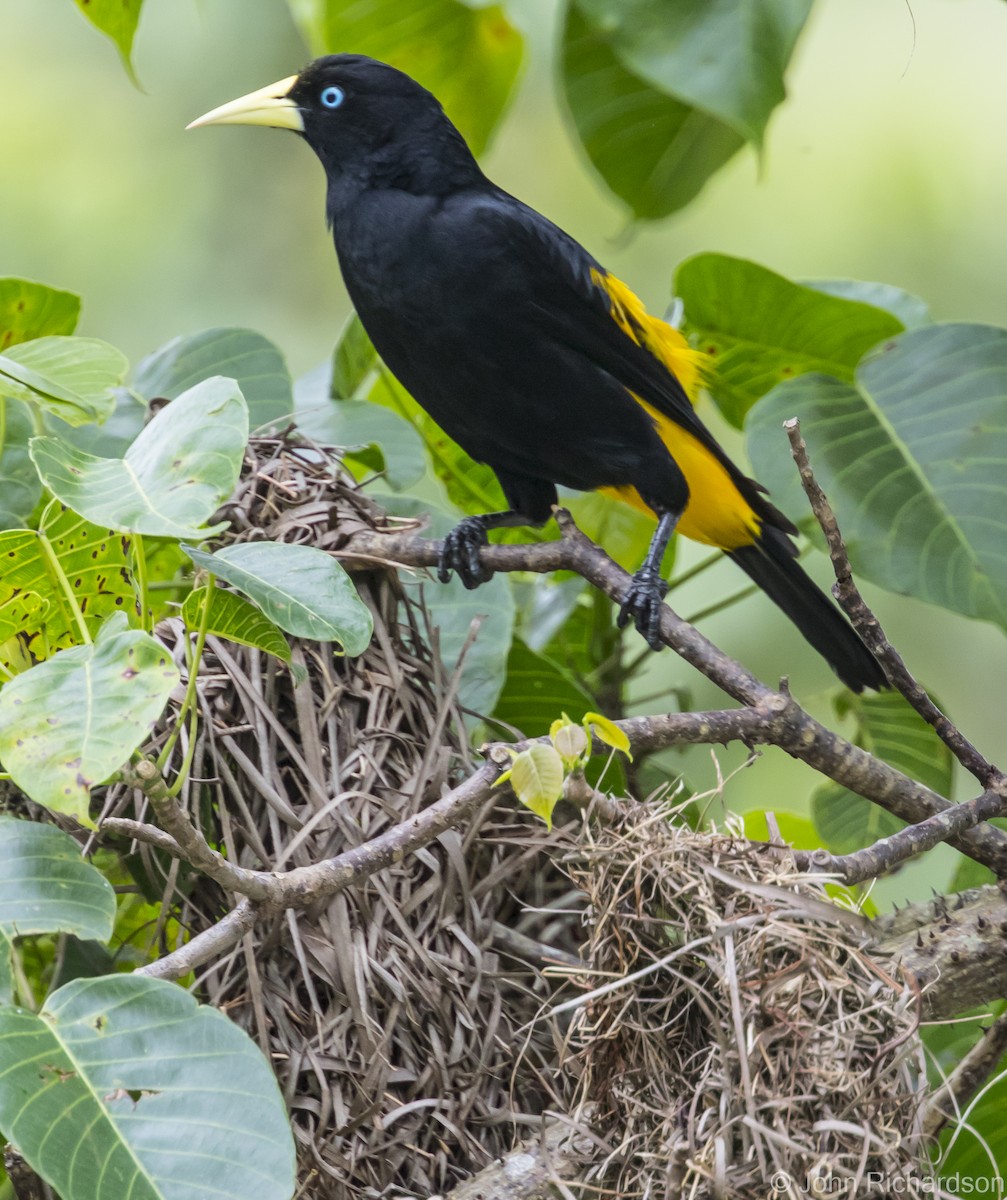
(642, 605)
(461, 553)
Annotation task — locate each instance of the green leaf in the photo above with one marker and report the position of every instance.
(608, 732)
(903, 305)
(31, 310)
(180, 469)
(20, 486)
(251, 360)
(112, 438)
(95, 562)
(383, 440)
(117, 19)
(69, 723)
(977, 1164)
(124, 1087)
(46, 887)
(536, 776)
(653, 150)
(536, 691)
(468, 57)
(570, 740)
(913, 458)
(353, 362)
(452, 608)
(887, 727)
(970, 874)
(725, 58)
(72, 378)
(761, 328)
(236, 619)
(303, 590)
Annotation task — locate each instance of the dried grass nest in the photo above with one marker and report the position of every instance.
(415, 1029)
(758, 1050)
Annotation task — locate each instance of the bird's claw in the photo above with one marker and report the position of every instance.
(642, 605)
(460, 553)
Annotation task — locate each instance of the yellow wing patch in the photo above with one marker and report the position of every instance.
(717, 514)
(665, 343)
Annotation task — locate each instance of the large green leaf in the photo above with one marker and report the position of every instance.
(761, 328)
(31, 310)
(70, 722)
(904, 306)
(888, 728)
(95, 563)
(452, 609)
(117, 19)
(652, 149)
(537, 692)
(469, 57)
(236, 619)
(978, 1153)
(46, 887)
(181, 467)
(113, 437)
(250, 359)
(72, 378)
(375, 438)
(723, 57)
(124, 1088)
(20, 486)
(913, 457)
(303, 590)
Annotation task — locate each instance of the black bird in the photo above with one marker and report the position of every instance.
(523, 348)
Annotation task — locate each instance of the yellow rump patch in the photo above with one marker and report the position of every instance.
(717, 514)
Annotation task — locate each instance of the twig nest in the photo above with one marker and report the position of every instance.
(738, 1039)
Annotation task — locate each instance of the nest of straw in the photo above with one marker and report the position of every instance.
(736, 1039)
(408, 1020)
(394, 1015)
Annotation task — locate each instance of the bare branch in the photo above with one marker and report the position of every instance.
(782, 722)
(884, 855)
(869, 627)
(209, 944)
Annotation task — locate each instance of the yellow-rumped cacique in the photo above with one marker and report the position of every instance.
(524, 349)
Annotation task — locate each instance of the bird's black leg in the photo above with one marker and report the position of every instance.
(645, 596)
(531, 502)
(460, 551)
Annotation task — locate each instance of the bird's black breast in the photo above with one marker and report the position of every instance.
(460, 297)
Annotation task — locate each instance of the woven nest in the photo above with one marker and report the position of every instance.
(408, 1020)
(394, 1015)
(749, 1041)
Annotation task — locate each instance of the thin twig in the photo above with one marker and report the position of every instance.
(869, 627)
(887, 853)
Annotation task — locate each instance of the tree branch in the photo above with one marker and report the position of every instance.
(869, 627)
(782, 723)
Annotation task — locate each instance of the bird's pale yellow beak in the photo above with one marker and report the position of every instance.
(268, 106)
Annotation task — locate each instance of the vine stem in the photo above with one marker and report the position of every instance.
(64, 585)
(189, 699)
(140, 569)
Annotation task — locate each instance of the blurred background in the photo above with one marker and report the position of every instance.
(886, 163)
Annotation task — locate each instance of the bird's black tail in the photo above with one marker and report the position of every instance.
(771, 563)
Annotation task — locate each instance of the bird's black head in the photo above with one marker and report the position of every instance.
(370, 124)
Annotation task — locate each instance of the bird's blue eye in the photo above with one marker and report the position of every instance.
(332, 96)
